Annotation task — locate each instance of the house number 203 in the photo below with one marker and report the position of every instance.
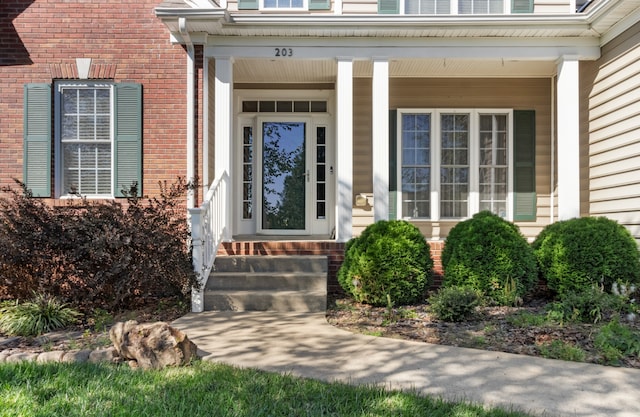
(284, 51)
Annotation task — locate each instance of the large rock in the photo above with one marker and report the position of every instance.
(152, 345)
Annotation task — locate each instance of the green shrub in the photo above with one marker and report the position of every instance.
(616, 340)
(562, 350)
(39, 315)
(577, 254)
(454, 303)
(524, 319)
(389, 262)
(489, 254)
(588, 306)
(114, 255)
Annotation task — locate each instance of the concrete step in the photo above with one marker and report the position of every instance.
(263, 281)
(281, 301)
(268, 283)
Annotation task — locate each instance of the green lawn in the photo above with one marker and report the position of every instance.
(204, 389)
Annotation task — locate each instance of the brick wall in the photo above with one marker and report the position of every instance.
(40, 41)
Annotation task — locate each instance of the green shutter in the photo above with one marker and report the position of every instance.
(128, 137)
(247, 4)
(521, 6)
(393, 168)
(524, 168)
(388, 6)
(319, 4)
(37, 139)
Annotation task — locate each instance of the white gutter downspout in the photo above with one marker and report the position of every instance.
(182, 24)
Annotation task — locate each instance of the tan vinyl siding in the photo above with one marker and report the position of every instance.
(614, 131)
(518, 94)
(550, 7)
(359, 7)
(362, 154)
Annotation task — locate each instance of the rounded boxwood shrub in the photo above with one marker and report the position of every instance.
(489, 254)
(577, 254)
(389, 262)
(454, 303)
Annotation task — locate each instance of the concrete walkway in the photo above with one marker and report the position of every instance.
(306, 345)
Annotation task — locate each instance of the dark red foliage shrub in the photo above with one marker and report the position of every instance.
(96, 254)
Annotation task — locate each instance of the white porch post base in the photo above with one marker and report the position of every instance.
(197, 255)
(197, 301)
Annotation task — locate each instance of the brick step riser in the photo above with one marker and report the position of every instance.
(270, 264)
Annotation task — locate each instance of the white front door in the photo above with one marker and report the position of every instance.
(284, 175)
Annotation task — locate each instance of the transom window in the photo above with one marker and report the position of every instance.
(454, 163)
(284, 106)
(84, 120)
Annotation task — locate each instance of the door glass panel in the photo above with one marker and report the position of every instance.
(247, 173)
(321, 167)
(283, 176)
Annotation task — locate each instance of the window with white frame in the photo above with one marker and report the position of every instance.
(453, 164)
(480, 6)
(84, 129)
(97, 138)
(283, 4)
(454, 136)
(427, 6)
(493, 165)
(454, 7)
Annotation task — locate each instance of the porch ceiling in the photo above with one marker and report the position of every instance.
(324, 71)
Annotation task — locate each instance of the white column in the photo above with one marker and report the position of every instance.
(224, 130)
(191, 139)
(568, 111)
(380, 138)
(206, 174)
(344, 149)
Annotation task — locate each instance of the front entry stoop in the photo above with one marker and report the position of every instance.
(283, 283)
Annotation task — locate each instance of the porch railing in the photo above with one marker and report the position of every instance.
(209, 223)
